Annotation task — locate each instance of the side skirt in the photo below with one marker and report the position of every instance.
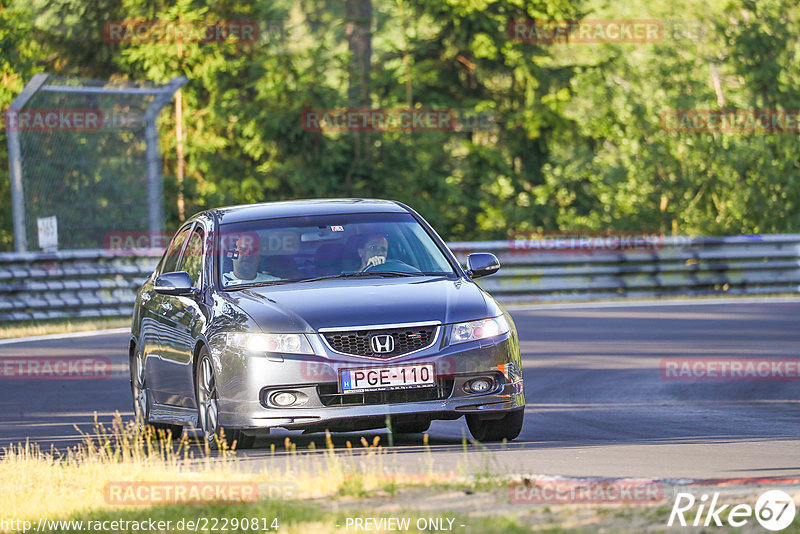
(174, 415)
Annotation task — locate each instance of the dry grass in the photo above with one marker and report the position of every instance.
(326, 487)
(36, 483)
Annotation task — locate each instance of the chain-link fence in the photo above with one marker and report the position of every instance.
(86, 152)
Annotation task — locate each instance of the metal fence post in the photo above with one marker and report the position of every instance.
(15, 163)
(155, 186)
(92, 156)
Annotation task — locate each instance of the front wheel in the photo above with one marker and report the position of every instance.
(208, 409)
(508, 427)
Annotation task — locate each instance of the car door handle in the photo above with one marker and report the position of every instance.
(166, 306)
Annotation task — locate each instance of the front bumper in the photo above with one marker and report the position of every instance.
(246, 382)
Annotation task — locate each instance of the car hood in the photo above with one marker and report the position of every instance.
(309, 306)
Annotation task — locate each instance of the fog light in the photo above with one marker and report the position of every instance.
(479, 385)
(283, 398)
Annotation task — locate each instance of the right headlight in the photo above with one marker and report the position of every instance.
(285, 343)
(474, 330)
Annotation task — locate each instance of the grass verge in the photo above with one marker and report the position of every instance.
(96, 487)
(60, 326)
(122, 468)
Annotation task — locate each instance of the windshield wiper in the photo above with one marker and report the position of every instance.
(363, 274)
(387, 273)
(258, 284)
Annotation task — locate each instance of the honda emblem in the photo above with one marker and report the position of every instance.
(381, 344)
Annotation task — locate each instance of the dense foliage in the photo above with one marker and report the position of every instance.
(578, 141)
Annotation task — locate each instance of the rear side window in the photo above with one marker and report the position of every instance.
(173, 253)
(192, 261)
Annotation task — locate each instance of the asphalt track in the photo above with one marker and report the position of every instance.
(597, 403)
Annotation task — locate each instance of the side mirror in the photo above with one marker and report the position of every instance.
(176, 284)
(482, 264)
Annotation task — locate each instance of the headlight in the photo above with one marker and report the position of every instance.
(286, 343)
(463, 332)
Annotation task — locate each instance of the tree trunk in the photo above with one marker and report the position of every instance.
(359, 38)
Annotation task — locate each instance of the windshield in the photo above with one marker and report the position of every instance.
(298, 249)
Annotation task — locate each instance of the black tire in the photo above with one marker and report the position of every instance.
(141, 399)
(414, 427)
(234, 440)
(162, 429)
(205, 390)
(507, 428)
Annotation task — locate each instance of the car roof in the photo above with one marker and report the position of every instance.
(295, 208)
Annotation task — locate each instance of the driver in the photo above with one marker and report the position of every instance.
(373, 252)
(246, 259)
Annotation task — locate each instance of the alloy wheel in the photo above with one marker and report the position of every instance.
(207, 399)
(139, 389)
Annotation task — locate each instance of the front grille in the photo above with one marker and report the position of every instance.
(357, 342)
(330, 396)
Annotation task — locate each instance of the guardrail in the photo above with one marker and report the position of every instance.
(84, 283)
(560, 269)
(98, 283)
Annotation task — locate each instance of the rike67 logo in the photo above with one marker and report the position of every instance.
(774, 510)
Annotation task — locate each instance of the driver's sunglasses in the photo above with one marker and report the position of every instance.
(245, 249)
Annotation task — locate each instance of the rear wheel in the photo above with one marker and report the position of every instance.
(141, 399)
(208, 409)
(508, 427)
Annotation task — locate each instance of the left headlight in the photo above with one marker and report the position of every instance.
(285, 343)
(473, 330)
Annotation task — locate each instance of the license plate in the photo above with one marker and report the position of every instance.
(385, 378)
